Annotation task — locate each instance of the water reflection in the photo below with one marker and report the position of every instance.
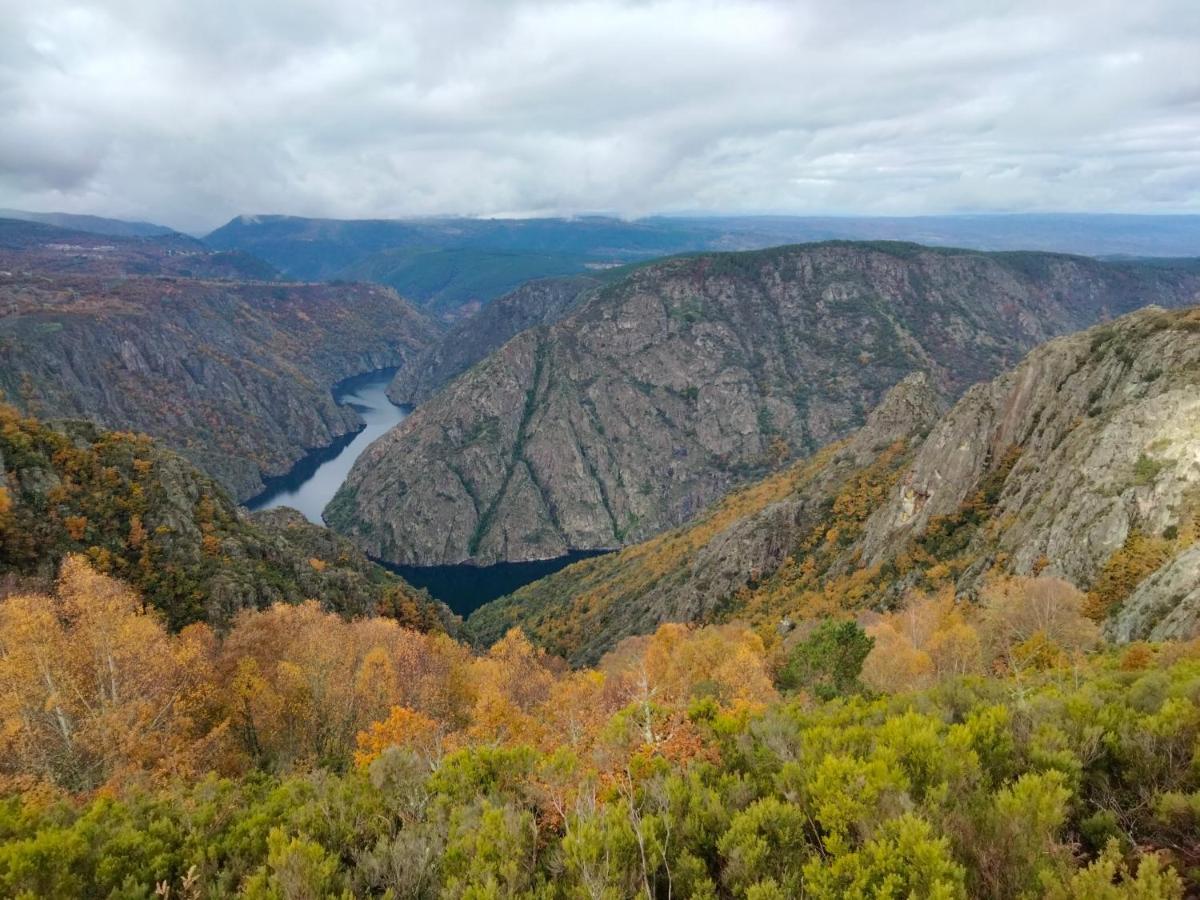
(315, 479)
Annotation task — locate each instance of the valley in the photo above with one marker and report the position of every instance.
(759, 534)
(655, 394)
(1082, 463)
(159, 335)
(313, 481)
(600, 450)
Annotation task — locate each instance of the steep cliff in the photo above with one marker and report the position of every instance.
(662, 391)
(236, 376)
(1083, 462)
(540, 302)
(147, 515)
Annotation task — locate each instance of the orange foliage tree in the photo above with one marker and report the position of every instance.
(404, 728)
(930, 638)
(93, 689)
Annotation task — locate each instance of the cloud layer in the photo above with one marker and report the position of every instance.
(188, 112)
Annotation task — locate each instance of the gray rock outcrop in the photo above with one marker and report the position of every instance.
(661, 392)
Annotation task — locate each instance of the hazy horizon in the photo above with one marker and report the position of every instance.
(7, 212)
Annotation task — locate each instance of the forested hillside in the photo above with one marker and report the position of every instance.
(142, 513)
(304, 756)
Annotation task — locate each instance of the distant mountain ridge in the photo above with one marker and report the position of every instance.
(451, 263)
(93, 224)
(665, 389)
(27, 247)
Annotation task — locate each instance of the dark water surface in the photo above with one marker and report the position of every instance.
(313, 481)
(465, 588)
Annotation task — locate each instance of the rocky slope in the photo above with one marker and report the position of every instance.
(1083, 463)
(540, 302)
(667, 388)
(147, 515)
(235, 375)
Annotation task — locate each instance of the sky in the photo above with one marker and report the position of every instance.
(188, 113)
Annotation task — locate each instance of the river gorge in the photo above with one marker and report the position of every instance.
(313, 481)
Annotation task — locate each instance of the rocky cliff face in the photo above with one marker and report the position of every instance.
(1083, 463)
(540, 302)
(236, 376)
(148, 516)
(696, 572)
(1101, 429)
(664, 390)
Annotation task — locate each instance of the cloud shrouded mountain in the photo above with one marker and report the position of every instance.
(186, 113)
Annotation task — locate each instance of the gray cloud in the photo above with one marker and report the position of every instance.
(189, 112)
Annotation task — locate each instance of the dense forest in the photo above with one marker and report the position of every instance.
(943, 750)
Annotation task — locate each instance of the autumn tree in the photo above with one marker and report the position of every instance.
(305, 682)
(928, 639)
(1032, 622)
(403, 728)
(511, 681)
(93, 688)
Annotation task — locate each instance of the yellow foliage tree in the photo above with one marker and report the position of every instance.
(93, 688)
(402, 728)
(307, 681)
(930, 638)
(1024, 615)
(512, 680)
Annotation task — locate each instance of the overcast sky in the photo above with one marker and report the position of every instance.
(188, 112)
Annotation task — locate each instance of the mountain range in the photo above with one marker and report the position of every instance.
(1081, 463)
(455, 265)
(658, 392)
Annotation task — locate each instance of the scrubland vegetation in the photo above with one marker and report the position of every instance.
(943, 750)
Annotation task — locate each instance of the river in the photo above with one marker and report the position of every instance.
(465, 588)
(313, 481)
